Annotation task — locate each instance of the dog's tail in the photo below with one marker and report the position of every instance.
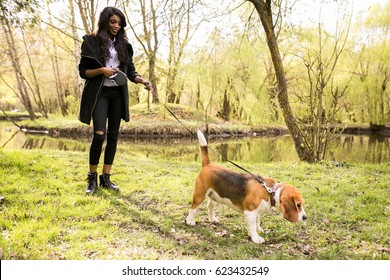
(203, 148)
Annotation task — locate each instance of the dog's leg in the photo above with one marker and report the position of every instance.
(250, 219)
(258, 224)
(211, 206)
(191, 214)
(191, 217)
(197, 200)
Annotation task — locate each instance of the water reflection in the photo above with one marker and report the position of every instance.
(12, 138)
(373, 149)
(347, 148)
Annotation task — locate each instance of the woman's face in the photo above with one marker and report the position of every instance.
(114, 25)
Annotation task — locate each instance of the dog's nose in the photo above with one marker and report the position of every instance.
(304, 217)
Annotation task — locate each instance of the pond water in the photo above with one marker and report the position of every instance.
(347, 148)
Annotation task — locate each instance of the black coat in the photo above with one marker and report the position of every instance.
(93, 86)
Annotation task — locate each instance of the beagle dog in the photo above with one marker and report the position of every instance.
(245, 193)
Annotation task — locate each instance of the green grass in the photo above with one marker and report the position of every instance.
(45, 214)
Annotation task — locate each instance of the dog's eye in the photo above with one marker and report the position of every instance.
(299, 206)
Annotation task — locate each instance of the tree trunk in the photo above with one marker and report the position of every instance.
(150, 36)
(37, 95)
(198, 104)
(57, 74)
(152, 77)
(79, 87)
(179, 27)
(14, 57)
(88, 14)
(263, 7)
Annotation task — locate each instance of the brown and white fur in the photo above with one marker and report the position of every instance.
(243, 193)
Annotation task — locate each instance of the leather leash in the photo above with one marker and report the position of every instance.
(261, 181)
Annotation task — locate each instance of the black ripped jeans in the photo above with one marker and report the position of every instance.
(109, 106)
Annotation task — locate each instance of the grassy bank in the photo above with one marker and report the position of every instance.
(153, 121)
(45, 214)
(156, 121)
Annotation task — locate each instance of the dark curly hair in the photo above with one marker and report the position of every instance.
(102, 36)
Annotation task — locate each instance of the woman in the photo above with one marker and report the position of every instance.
(103, 54)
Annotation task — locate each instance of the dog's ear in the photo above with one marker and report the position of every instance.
(290, 204)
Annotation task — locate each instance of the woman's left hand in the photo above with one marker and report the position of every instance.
(148, 85)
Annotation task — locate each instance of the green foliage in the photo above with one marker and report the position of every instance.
(379, 17)
(232, 69)
(372, 83)
(45, 214)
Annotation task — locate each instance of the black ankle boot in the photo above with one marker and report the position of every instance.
(106, 183)
(92, 183)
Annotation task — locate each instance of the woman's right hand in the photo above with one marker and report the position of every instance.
(108, 71)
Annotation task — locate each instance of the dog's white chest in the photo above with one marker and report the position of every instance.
(264, 207)
(215, 196)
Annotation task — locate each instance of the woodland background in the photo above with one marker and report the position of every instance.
(312, 67)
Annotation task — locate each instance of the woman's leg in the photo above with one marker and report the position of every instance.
(114, 120)
(99, 127)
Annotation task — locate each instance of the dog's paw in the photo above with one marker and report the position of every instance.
(214, 220)
(257, 239)
(190, 222)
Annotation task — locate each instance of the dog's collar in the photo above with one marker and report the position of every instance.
(273, 194)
